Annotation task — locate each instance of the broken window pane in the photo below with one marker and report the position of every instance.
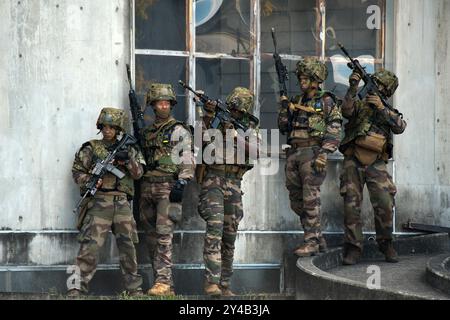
(223, 26)
(151, 69)
(161, 24)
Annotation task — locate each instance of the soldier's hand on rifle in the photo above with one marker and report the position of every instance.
(320, 163)
(122, 158)
(197, 99)
(210, 106)
(375, 101)
(355, 79)
(99, 183)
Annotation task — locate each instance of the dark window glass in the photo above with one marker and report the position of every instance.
(151, 69)
(223, 26)
(295, 24)
(348, 22)
(218, 77)
(161, 24)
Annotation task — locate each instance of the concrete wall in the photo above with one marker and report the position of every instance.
(62, 60)
(422, 153)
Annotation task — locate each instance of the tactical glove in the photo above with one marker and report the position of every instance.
(176, 194)
(354, 80)
(320, 163)
(122, 156)
(375, 101)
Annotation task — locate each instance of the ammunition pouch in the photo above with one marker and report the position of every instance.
(369, 148)
(373, 142)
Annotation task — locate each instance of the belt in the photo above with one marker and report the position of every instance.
(226, 170)
(154, 179)
(117, 195)
(305, 143)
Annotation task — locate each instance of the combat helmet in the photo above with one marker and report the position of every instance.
(388, 80)
(241, 99)
(112, 117)
(161, 91)
(312, 68)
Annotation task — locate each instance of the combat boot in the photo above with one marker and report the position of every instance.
(387, 248)
(307, 250)
(160, 289)
(323, 247)
(212, 290)
(352, 255)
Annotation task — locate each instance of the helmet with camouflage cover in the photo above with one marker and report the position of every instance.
(241, 99)
(112, 117)
(160, 91)
(388, 80)
(312, 68)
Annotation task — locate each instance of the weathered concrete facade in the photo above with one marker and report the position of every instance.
(61, 61)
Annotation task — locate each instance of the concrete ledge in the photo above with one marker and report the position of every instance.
(313, 282)
(438, 272)
(60, 248)
(188, 279)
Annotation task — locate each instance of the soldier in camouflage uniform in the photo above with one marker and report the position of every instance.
(221, 196)
(312, 122)
(163, 183)
(110, 208)
(367, 147)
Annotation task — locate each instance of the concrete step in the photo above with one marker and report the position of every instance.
(324, 277)
(48, 296)
(438, 273)
(188, 278)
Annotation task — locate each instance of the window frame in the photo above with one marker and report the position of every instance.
(255, 56)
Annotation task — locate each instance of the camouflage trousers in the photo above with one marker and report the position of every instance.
(303, 184)
(221, 208)
(158, 226)
(382, 192)
(108, 213)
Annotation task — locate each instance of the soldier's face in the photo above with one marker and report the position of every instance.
(163, 108)
(109, 133)
(305, 83)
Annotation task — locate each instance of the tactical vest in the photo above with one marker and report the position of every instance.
(366, 120)
(309, 119)
(158, 147)
(111, 182)
(243, 167)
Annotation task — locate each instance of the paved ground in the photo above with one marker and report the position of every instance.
(408, 275)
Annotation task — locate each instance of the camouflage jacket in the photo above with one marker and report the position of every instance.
(90, 152)
(168, 149)
(364, 119)
(318, 118)
(237, 157)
